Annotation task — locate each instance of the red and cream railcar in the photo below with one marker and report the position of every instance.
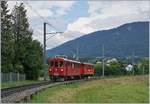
(62, 68)
(87, 69)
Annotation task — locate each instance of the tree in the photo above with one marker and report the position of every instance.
(7, 43)
(20, 53)
(98, 69)
(114, 68)
(34, 60)
(28, 52)
(143, 66)
(22, 37)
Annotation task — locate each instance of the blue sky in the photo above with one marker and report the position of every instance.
(78, 18)
(78, 10)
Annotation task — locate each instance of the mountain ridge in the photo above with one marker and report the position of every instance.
(118, 38)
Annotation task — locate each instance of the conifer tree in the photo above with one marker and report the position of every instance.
(22, 36)
(7, 43)
(28, 52)
(34, 60)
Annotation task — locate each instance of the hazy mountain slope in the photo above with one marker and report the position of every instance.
(118, 42)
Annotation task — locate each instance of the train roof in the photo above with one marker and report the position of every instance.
(65, 59)
(87, 63)
(72, 60)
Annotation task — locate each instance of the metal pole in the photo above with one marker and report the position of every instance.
(103, 73)
(143, 70)
(10, 76)
(44, 55)
(18, 76)
(133, 61)
(77, 52)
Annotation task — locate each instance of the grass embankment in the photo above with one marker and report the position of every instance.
(16, 83)
(129, 89)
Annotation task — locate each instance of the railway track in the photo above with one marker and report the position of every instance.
(24, 93)
(8, 91)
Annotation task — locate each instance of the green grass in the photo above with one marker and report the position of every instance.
(16, 83)
(127, 89)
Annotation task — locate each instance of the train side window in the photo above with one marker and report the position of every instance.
(61, 63)
(72, 65)
(77, 65)
(68, 64)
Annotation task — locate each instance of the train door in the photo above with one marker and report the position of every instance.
(66, 68)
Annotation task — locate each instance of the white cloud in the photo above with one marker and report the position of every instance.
(45, 8)
(115, 8)
(102, 15)
(109, 14)
(38, 35)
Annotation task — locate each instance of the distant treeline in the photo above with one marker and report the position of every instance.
(120, 68)
(19, 52)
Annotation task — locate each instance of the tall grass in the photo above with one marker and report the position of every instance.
(129, 89)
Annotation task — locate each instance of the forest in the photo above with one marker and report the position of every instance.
(19, 51)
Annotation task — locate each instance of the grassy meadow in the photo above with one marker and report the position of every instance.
(126, 89)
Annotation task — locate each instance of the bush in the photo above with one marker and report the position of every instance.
(113, 68)
(143, 66)
(98, 69)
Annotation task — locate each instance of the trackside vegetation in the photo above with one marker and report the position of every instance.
(17, 83)
(125, 89)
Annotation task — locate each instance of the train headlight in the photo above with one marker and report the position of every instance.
(61, 70)
(50, 69)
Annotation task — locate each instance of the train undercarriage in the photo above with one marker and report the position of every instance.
(65, 78)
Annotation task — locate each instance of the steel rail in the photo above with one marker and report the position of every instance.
(8, 91)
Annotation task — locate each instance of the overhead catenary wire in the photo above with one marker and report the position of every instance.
(55, 33)
(43, 18)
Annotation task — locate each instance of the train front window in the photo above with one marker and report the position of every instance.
(51, 63)
(56, 64)
(61, 64)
